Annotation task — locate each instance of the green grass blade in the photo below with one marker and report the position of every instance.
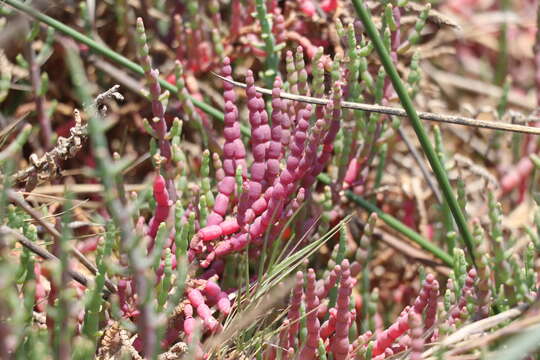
(290, 263)
(423, 138)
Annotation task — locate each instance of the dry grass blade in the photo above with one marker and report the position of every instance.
(387, 110)
(248, 317)
(476, 327)
(411, 252)
(516, 327)
(434, 16)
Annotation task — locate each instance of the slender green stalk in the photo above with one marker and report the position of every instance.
(365, 255)
(62, 312)
(94, 298)
(423, 138)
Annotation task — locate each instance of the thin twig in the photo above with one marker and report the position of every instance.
(43, 253)
(16, 198)
(118, 75)
(80, 189)
(47, 167)
(421, 164)
(518, 326)
(449, 119)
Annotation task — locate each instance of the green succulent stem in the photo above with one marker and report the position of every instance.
(272, 60)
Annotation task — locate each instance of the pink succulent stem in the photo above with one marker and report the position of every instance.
(297, 146)
(312, 303)
(310, 157)
(388, 336)
(467, 292)
(234, 152)
(163, 205)
(329, 5)
(361, 341)
(431, 309)
(236, 17)
(260, 139)
(307, 7)
(329, 326)
(339, 344)
(284, 336)
(333, 113)
(416, 339)
(286, 125)
(329, 283)
(189, 323)
(279, 28)
(267, 147)
(274, 150)
(294, 311)
(198, 302)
